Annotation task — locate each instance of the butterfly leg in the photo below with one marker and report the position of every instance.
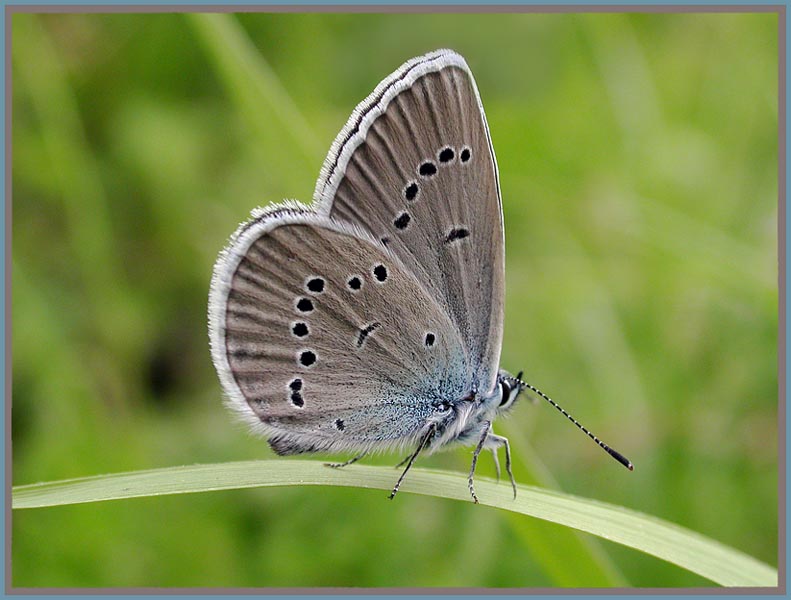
(412, 457)
(493, 443)
(345, 464)
(496, 463)
(486, 426)
(403, 462)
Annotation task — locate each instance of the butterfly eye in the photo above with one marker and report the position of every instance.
(506, 390)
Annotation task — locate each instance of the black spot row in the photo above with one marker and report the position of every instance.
(305, 305)
(426, 170)
(300, 329)
(430, 339)
(355, 282)
(429, 168)
(339, 425)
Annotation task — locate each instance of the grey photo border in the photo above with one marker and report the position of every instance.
(779, 8)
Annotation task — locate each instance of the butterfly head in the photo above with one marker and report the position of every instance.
(508, 389)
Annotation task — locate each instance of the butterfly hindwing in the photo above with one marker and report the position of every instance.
(324, 340)
(414, 168)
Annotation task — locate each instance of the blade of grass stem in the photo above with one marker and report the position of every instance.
(687, 549)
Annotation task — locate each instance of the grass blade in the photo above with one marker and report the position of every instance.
(687, 549)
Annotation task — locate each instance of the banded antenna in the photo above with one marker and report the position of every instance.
(614, 453)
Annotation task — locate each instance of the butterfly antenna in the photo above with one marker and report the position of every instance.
(614, 453)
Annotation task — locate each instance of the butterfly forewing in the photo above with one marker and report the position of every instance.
(324, 340)
(415, 169)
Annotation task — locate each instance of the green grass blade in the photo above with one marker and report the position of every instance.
(687, 549)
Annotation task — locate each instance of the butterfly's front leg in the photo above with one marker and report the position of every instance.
(496, 464)
(426, 439)
(486, 427)
(492, 442)
(340, 465)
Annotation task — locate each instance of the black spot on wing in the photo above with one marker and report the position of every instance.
(380, 272)
(366, 331)
(305, 305)
(446, 155)
(307, 358)
(402, 220)
(457, 234)
(410, 191)
(316, 285)
(427, 169)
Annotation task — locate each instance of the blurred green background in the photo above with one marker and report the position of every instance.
(638, 163)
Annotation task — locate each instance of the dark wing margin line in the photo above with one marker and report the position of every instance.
(367, 106)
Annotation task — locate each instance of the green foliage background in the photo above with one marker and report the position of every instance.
(638, 162)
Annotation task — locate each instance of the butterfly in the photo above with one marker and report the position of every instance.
(373, 319)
